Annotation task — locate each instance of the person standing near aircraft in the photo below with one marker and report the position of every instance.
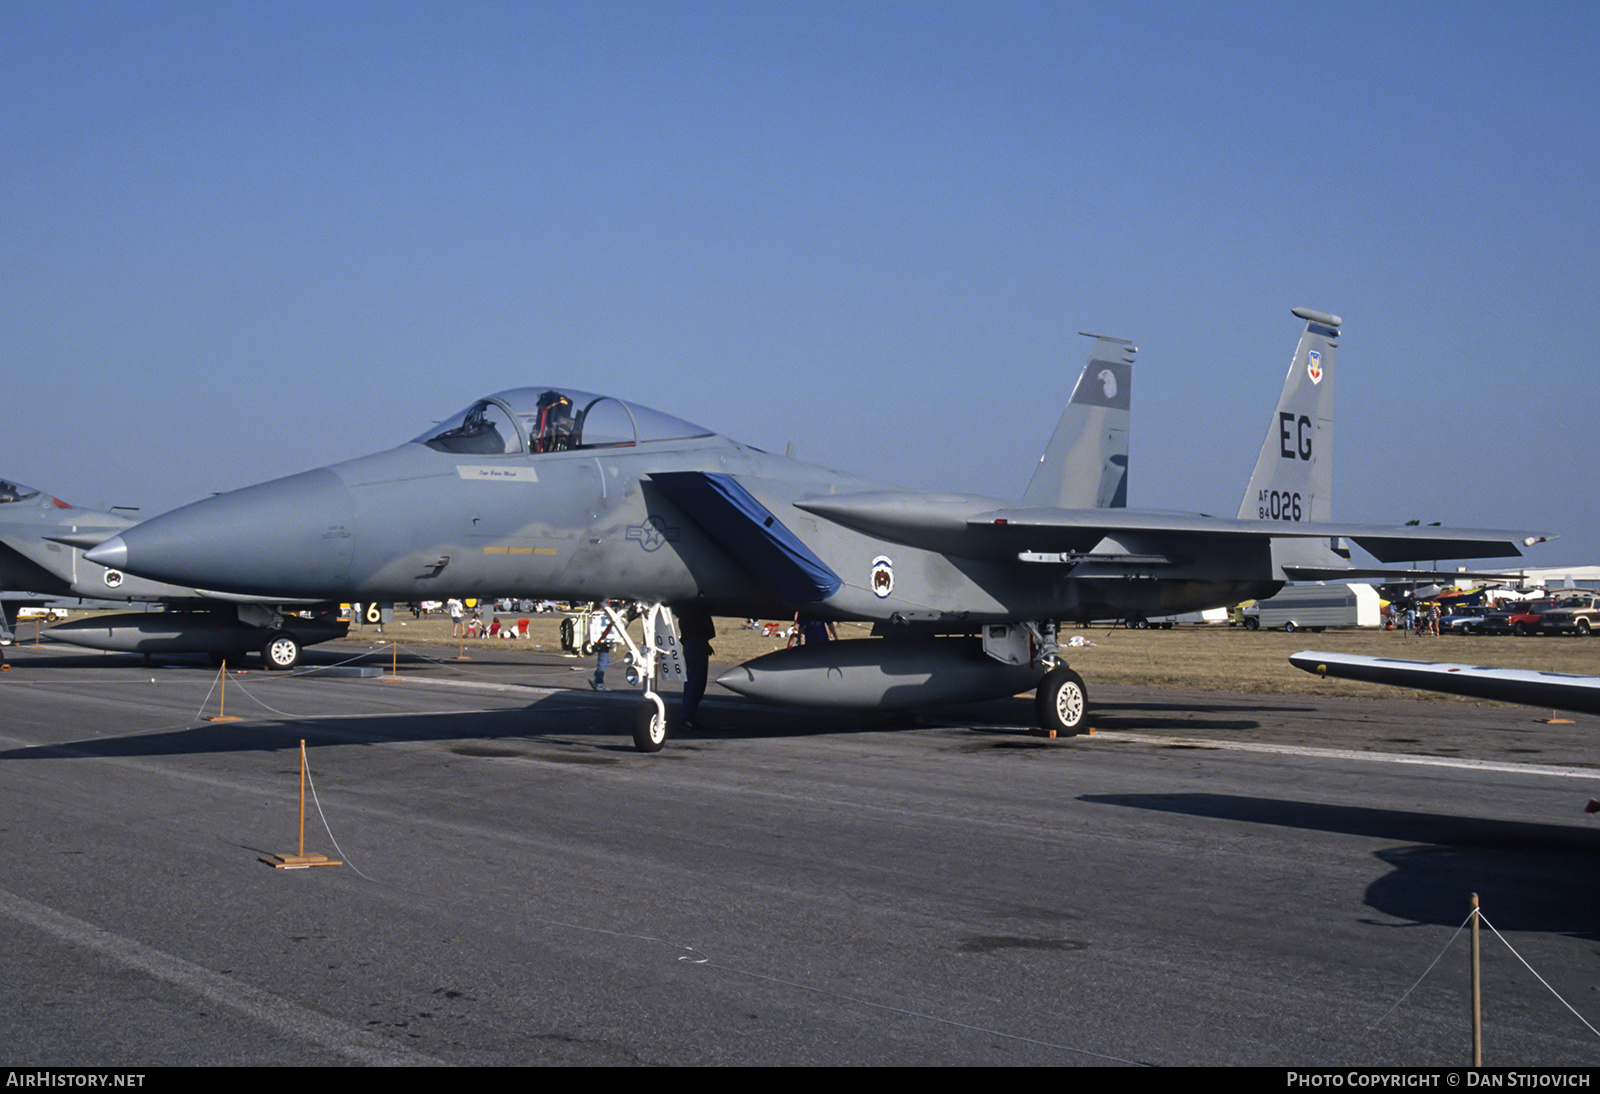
(457, 611)
(696, 631)
(600, 628)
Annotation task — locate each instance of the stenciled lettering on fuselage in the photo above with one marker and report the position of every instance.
(653, 534)
(491, 473)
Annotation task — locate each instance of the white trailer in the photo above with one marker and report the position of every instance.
(1315, 608)
(1212, 617)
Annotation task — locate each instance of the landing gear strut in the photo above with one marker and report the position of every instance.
(658, 659)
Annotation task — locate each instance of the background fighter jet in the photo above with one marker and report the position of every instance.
(42, 542)
(554, 492)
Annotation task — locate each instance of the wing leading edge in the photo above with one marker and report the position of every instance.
(1556, 690)
(975, 527)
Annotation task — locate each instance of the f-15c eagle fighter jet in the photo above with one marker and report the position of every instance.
(555, 492)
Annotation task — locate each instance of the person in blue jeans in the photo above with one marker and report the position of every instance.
(601, 627)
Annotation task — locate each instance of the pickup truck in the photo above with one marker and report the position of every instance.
(1576, 613)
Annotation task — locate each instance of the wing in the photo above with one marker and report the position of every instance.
(1556, 690)
(975, 527)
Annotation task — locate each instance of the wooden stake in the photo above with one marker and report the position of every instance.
(222, 698)
(1477, 991)
(300, 860)
(394, 663)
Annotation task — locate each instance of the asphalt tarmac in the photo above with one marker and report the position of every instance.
(1208, 879)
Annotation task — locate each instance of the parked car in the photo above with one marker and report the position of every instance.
(1577, 613)
(1518, 617)
(1464, 619)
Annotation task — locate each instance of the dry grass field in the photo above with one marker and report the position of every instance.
(1213, 658)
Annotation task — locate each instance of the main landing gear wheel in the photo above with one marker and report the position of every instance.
(280, 652)
(1062, 702)
(650, 724)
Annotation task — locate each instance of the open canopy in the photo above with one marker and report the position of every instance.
(15, 491)
(540, 419)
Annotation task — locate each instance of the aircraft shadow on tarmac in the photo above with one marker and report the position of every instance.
(1529, 876)
(570, 715)
(565, 718)
(728, 716)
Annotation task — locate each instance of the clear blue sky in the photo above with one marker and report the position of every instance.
(242, 240)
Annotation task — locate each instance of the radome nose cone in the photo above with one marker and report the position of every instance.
(287, 538)
(112, 554)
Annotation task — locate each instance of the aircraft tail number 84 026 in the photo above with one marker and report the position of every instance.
(1280, 505)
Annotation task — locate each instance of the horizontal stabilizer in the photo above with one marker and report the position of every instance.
(750, 532)
(1556, 690)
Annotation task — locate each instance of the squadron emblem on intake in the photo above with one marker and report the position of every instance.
(882, 576)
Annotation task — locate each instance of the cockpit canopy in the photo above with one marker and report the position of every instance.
(15, 491)
(538, 420)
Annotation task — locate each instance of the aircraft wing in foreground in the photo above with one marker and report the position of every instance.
(1530, 687)
(559, 493)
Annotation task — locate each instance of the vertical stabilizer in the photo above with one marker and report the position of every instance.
(1293, 479)
(1085, 465)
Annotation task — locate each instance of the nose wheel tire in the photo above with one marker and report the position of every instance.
(650, 724)
(1062, 702)
(280, 652)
